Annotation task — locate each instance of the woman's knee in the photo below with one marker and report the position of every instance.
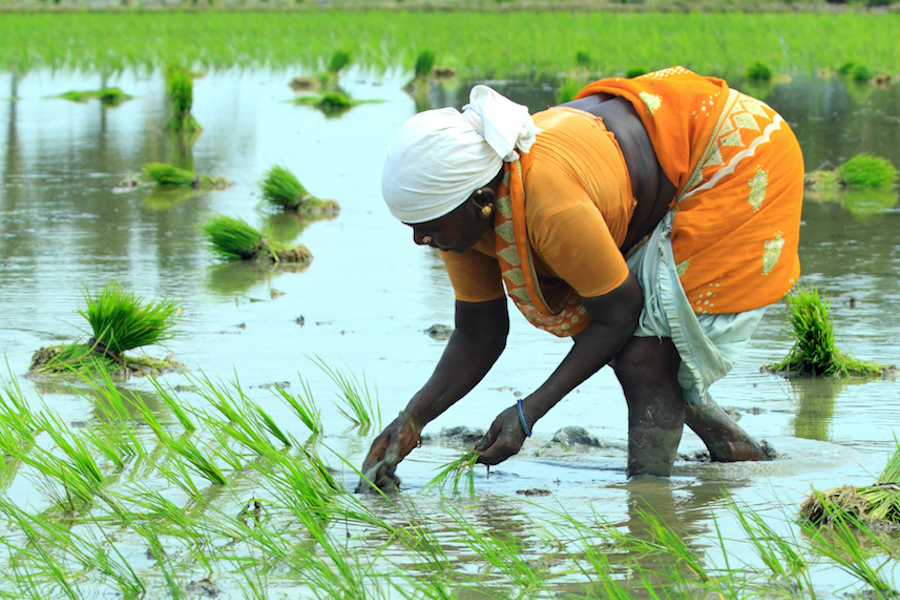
(646, 359)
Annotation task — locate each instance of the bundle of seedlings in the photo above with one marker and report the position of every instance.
(119, 322)
(876, 504)
(180, 85)
(863, 171)
(282, 189)
(233, 238)
(173, 177)
(814, 351)
(107, 96)
(332, 103)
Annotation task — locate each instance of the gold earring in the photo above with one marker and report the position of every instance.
(478, 192)
(426, 239)
(486, 209)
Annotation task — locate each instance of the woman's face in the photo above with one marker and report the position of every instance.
(456, 231)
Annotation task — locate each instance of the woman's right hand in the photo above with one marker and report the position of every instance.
(390, 447)
(504, 438)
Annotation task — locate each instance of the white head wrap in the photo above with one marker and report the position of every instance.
(441, 156)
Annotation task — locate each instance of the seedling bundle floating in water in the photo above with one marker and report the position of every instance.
(281, 188)
(180, 85)
(119, 321)
(234, 238)
(173, 177)
(815, 351)
(107, 96)
(874, 174)
(877, 503)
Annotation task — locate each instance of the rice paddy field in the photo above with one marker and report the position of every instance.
(230, 471)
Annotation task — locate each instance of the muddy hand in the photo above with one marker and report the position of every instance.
(503, 439)
(389, 448)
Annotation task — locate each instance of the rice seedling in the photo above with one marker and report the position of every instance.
(814, 351)
(841, 544)
(281, 188)
(234, 238)
(180, 86)
(455, 471)
(424, 64)
(865, 170)
(121, 321)
(757, 71)
(168, 176)
(202, 464)
(304, 407)
(359, 406)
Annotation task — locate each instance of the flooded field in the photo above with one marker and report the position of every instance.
(362, 307)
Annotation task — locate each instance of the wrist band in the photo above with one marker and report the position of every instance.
(522, 419)
(412, 424)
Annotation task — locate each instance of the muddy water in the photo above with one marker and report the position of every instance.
(370, 293)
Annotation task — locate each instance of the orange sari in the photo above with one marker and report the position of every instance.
(739, 174)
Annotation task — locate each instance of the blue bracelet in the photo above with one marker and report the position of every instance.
(522, 419)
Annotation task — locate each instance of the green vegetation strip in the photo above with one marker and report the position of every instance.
(213, 495)
(530, 43)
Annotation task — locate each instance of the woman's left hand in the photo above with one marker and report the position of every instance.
(503, 439)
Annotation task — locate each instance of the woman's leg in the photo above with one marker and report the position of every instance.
(647, 368)
(725, 439)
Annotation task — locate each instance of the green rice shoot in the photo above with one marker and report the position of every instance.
(868, 171)
(815, 351)
(122, 321)
(455, 472)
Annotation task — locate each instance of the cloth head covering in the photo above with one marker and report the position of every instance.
(441, 156)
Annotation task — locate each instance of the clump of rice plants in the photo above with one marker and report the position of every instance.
(814, 351)
(180, 85)
(119, 321)
(170, 176)
(856, 71)
(112, 96)
(757, 71)
(234, 238)
(281, 188)
(879, 502)
(331, 102)
(865, 170)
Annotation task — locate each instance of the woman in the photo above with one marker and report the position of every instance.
(651, 219)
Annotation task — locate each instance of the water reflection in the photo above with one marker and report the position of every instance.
(816, 397)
